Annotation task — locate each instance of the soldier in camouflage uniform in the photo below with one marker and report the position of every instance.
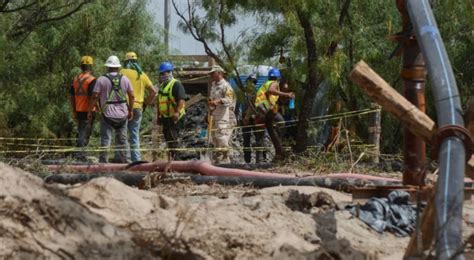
(221, 103)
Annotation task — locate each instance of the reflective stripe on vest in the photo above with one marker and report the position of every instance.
(166, 100)
(81, 86)
(265, 101)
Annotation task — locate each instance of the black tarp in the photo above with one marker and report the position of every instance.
(395, 213)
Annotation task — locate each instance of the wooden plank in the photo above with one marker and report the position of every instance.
(194, 100)
(200, 58)
(392, 101)
(470, 168)
(363, 194)
(469, 118)
(426, 231)
(469, 115)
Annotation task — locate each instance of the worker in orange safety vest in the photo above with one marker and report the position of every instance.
(80, 97)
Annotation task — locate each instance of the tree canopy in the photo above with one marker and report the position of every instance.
(318, 42)
(315, 43)
(41, 50)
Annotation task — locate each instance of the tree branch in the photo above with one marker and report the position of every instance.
(3, 7)
(225, 47)
(29, 26)
(194, 30)
(342, 15)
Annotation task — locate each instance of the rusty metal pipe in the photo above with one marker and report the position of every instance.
(414, 77)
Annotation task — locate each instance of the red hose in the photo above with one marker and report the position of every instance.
(200, 167)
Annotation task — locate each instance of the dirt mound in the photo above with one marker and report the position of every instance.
(40, 222)
(213, 221)
(203, 226)
(180, 220)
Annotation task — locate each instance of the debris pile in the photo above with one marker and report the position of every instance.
(194, 136)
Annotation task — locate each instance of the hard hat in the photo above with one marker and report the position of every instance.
(113, 62)
(87, 60)
(166, 66)
(131, 56)
(252, 78)
(216, 68)
(274, 73)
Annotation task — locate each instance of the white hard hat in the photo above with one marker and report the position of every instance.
(113, 62)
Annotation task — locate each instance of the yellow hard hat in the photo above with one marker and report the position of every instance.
(131, 56)
(87, 60)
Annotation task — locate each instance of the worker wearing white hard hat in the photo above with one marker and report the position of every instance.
(116, 97)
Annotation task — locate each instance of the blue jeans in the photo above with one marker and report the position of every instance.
(134, 135)
(106, 131)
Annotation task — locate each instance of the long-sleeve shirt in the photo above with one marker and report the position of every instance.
(224, 110)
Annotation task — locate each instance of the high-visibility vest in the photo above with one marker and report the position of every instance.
(166, 101)
(81, 84)
(265, 101)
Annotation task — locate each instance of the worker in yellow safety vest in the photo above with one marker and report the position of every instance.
(267, 107)
(80, 96)
(171, 107)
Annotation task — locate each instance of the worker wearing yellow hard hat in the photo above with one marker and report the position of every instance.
(140, 82)
(87, 60)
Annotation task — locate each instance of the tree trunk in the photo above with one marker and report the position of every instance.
(311, 88)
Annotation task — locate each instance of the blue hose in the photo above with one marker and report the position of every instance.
(452, 152)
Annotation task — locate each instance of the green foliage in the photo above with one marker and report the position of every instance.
(38, 62)
(37, 68)
(363, 36)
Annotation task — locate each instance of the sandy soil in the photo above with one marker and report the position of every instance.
(106, 219)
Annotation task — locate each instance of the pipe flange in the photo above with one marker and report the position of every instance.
(455, 131)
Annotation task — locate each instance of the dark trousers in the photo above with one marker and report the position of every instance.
(84, 130)
(272, 123)
(259, 134)
(171, 132)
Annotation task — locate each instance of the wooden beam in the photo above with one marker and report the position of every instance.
(469, 121)
(392, 101)
(200, 58)
(422, 238)
(469, 115)
(194, 100)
